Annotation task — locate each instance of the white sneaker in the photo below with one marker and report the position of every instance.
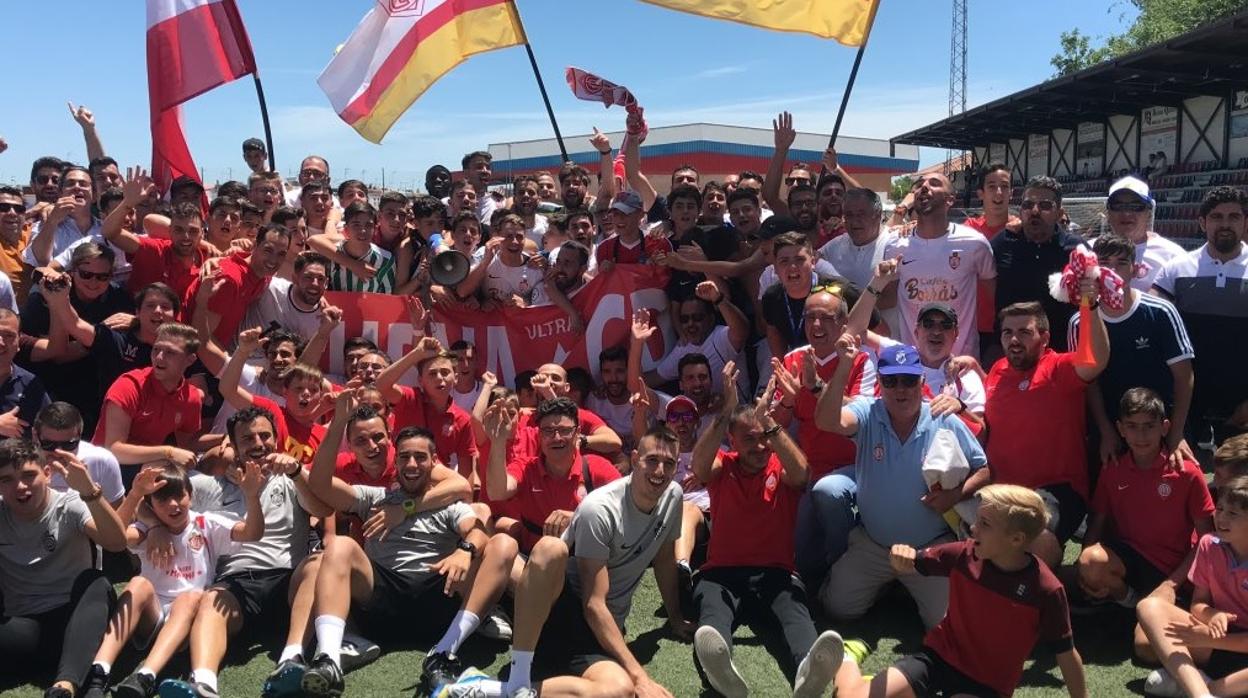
(495, 626)
(1162, 684)
(716, 660)
(819, 667)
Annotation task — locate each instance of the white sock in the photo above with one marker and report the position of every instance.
(207, 677)
(145, 670)
(290, 652)
(519, 677)
(490, 688)
(462, 625)
(106, 666)
(329, 637)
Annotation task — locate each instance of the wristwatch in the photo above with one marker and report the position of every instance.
(467, 547)
(95, 493)
(409, 506)
(771, 431)
(583, 442)
(816, 387)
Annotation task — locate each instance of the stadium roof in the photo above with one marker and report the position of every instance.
(1210, 60)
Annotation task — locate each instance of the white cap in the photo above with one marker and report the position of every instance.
(1134, 185)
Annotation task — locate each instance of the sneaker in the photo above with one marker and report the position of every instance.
(716, 660)
(286, 679)
(439, 669)
(819, 667)
(172, 688)
(472, 683)
(96, 685)
(684, 586)
(858, 650)
(57, 692)
(496, 626)
(1162, 684)
(357, 651)
(136, 685)
(323, 679)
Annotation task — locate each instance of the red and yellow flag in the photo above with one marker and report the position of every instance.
(847, 21)
(401, 47)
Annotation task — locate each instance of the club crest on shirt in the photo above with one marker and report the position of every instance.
(177, 419)
(1025, 384)
(195, 542)
(1164, 490)
(581, 492)
(447, 429)
(955, 260)
(878, 452)
(1021, 591)
(770, 484)
(48, 542)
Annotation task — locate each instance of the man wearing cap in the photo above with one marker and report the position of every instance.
(1129, 212)
(1025, 258)
(893, 434)
(627, 245)
(185, 188)
(256, 155)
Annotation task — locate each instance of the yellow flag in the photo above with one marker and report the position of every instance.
(847, 21)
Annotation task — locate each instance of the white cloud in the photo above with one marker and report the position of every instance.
(721, 71)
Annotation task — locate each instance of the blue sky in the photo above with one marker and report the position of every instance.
(682, 68)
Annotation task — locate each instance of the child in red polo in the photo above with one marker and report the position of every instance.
(1144, 512)
(1002, 600)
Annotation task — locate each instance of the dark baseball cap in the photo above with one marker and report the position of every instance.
(775, 226)
(254, 144)
(184, 182)
(943, 308)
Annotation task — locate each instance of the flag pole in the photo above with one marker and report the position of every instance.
(264, 114)
(853, 75)
(541, 86)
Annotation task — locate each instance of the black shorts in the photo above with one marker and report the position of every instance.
(400, 603)
(259, 592)
(1142, 575)
(1223, 663)
(929, 675)
(567, 646)
(1070, 510)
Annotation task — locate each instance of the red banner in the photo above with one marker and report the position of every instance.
(509, 341)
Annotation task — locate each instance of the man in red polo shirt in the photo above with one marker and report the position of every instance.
(175, 260)
(826, 514)
(551, 382)
(749, 568)
(239, 280)
(1036, 419)
(546, 487)
(430, 406)
(145, 407)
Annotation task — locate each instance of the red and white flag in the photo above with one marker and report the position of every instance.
(192, 47)
(591, 88)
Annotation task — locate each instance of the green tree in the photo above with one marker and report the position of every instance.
(900, 187)
(1157, 21)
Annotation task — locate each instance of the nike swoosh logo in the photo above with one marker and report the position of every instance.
(1122, 487)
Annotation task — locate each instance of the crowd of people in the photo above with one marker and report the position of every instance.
(850, 402)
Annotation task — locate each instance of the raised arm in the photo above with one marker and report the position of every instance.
(832, 165)
(704, 461)
(321, 481)
(632, 171)
(830, 413)
(860, 315)
(331, 317)
(427, 347)
(500, 425)
(606, 168)
(85, 119)
(738, 326)
(1099, 335)
(784, 135)
(105, 529)
(137, 188)
(238, 396)
(64, 316)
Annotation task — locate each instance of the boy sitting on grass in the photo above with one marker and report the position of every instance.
(161, 604)
(1139, 538)
(1002, 599)
(1211, 632)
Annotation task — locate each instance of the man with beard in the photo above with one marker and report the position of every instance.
(477, 173)
(524, 203)
(611, 400)
(941, 262)
(69, 218)
(45, 183)
(1025, 258)
(438, 182)
(564, 277)
(146, 407)
(893, 434)
(429, 406)
(175, 260)
(239, 280)
(695, 322)
(14, 234)
(1034, 385)
(1129, 212)
(1209, 286)
(104, 175)
(413, 573)
(296, 304)
(574, 184)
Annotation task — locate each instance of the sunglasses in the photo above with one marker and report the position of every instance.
(905, 381)
(932, 323)
(681, 417)
(834, 289)
(48, 179)
(794, 181)
(1132, 206)
(1045, 206)
(94, 275)
(12, 208)
(70, 445)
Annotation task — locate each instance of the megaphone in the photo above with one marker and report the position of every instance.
(449, 267)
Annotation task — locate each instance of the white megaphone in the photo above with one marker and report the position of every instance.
(449, 267)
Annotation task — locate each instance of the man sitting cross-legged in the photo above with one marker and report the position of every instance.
(749, 569)
(437, 568)
(615, 535)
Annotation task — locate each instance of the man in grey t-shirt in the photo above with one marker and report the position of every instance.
(435, 568)
(617, 531)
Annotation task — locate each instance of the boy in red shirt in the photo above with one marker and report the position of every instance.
(1139, 538)
(749, 568)
(1002, 600)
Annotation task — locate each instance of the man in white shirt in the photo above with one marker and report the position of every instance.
(68, 220)
(942, 262)
(294, 305)
(58, 427)
(857, 253)
(1129, 211)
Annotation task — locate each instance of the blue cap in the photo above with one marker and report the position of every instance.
(627, 202)
(900, 359)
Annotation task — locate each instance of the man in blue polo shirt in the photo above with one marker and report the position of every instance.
(893, 434)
